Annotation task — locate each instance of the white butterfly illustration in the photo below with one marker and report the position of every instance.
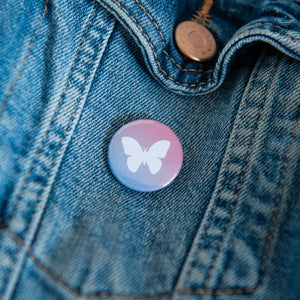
(138, 156)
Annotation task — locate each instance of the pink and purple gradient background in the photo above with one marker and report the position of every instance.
(146, 133)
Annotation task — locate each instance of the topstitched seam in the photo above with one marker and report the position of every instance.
(286, 35)
(11, 265)
(200, 291)
(40, 147)
(277, 202)
(164, 44)
(224, 176)
(155, 54)
(11, 89)
(54, 159)
(71, 120)
(236, 196)
(77, 292)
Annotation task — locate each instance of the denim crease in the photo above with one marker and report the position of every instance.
(73, 73)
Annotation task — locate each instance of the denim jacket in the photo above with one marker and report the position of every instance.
(72, 73)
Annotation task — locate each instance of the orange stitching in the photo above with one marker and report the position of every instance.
(226, 168)
(55, 277)
(286, 35)
(68, 129)
(77, 292)
(40, 147)
(215, 256)
(182, 290)
(154, 53)
(278, 200)
(3, 106)
(12, 263)
(163, 42)
(185, 70)
(4, 225)
(204, 13)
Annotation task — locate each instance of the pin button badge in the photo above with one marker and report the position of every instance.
(145, 155)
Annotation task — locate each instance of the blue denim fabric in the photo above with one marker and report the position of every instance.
(72, 73)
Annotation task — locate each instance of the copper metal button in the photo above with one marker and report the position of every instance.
(195, 41)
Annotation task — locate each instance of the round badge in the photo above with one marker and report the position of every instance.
(195, 41)
(145, 155)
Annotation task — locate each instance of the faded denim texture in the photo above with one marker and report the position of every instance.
(72, 73)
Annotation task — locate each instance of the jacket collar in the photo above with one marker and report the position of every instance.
(234, 24)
